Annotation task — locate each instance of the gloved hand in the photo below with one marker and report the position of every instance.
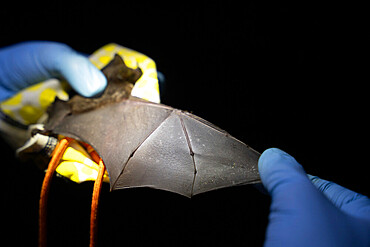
(24, 64)
(309, 211)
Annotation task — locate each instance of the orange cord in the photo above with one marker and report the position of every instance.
(96, 194)
(54, 162)
(57, 155)
(94, 204)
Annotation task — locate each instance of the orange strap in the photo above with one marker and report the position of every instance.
(54, 162)
(57, 155)
(95, 198)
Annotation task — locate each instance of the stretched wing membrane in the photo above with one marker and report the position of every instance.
(220, 159)
(153, 145)
(115, 130)
(162, 161)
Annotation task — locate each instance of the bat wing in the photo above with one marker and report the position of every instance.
(153, 145)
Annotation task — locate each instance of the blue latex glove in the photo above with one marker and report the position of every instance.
(24, 64)
(310, 213)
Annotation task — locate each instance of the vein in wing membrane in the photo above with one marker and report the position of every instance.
(221, 160)
(162, 161)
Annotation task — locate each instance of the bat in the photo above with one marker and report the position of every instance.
(145, 144)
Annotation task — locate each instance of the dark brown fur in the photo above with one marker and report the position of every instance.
(121, 80)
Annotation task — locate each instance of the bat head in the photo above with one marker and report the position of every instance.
(121, 79)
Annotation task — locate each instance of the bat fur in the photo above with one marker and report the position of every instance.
(121, 80)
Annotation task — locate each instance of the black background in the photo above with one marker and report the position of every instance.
(285, 75)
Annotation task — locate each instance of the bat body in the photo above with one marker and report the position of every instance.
(153, 145)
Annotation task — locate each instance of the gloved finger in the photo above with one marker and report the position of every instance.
(348, 201)
(287, 182)
(277, 168)
(296, 203)
(24, 64)
(81, 74)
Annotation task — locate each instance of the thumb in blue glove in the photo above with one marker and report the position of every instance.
(310, 213)
(24, 64)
